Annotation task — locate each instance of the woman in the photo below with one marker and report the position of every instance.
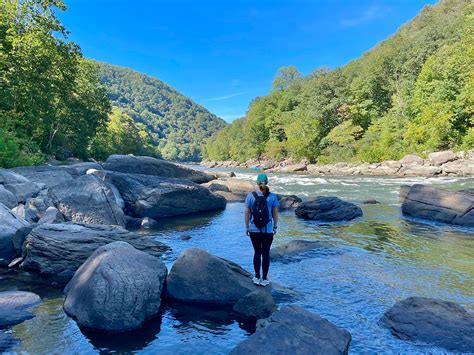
(261, 220)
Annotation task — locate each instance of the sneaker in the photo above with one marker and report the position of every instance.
(256, 280)
(264, 282)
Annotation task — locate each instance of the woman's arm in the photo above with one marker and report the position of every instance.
(275, 218)
(247, 218)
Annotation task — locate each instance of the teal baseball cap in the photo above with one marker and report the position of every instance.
(262, 179)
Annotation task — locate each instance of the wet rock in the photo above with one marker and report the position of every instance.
(23, 191)
(117, 289)
(288, 202)
(7, 198)
(294, 330)
(155, 167)
(51, 216)
(45, 174)
(440, 158)
(197, 276)
(288, 251)
(57, 250)
(148, 222)
(7, 342)
(87, 199)
(328, 209)
(157, 197)
(239, 186)
(455, 207)
(255, 305)
(432, 321)
(370, 202)
(15, 307)
(185, 237)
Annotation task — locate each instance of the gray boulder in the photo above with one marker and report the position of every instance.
(231, 196)
(56, 251)
(288, 202)
(117, 289)
(440, 158)
(217, 185)
(411, 159)
(51, 215)
(10, 224)
(23, 191)
(150, 166)
(236, 185)
(10, 177)
(7, 197)
(197, 276)
(157, 197)
(87, 199)
(328, 209)
(432, 321)
(294, 330)
(45, 174)
(455, 207)
(25, 213)
(255, 305)
(289, 251)
(15, 307)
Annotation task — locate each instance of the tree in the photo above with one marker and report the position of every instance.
(285, 77)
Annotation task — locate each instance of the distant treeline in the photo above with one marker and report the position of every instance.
(54, 104)
(412, 93)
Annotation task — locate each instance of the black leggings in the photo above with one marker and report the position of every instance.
(261, 244)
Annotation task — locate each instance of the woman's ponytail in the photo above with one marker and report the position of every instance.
(264, 189)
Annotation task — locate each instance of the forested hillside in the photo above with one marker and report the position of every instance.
(412, 93)
(178, 126)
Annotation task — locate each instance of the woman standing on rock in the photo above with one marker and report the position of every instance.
(261, 220)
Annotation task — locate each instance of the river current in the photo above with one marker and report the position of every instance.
(378, 260)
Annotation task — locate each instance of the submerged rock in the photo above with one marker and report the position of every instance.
(150, 166)
(117, 289)
(15, 307)
(455, 207)
(289, 250)
(197, 276)
(255, 305)
(370, 202)
(58, 250)
(289, 202)
(157, 197)
(294, 330)
(87, 199)
(328, 209)
(433, 321)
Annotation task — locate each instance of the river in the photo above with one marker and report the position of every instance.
(378, 259)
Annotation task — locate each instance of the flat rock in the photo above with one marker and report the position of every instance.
(288, 251)
(255, 305)
(294, 330)
(117, 289)
(440, 158)
(45, 174)
(197, 276)
(236, 185)
(56, 251)
(87, 199)
(15, 307)
(156, 167)
(432, 321)
(158, 197)
(454, 207)
(7, 197)
(328, 209)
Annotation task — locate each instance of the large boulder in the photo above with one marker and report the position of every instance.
(15, 307)
(288, 202)
(157, 197)
(58, 250)
(294, 330)
(10, 225)
(432, 321)
(411, 160)
(293, 249)
(7, 197)
(197, 276)
(87, 199)
(440, 158)
(117, 289)
(455, 207)
(236, 185)
(255, 305)
(24, 190)
(45, 174)
(328, 209)
(150, 166)
(10, 177)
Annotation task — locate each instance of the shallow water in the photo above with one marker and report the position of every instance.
(377, 260)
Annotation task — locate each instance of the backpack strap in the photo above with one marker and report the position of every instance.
(255, 194)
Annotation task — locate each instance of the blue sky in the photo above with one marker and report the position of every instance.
(224, 53)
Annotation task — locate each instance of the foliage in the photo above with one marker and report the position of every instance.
(412, 93)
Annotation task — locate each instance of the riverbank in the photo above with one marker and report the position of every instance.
(445, 163)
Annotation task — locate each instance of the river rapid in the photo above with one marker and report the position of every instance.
(378, 259)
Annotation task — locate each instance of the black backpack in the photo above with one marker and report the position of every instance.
(260, 214)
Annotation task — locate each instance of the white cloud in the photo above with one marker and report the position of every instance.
(226, 97)
(370, 13)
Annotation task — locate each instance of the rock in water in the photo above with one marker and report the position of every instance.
(328, 209)
(433, 321)
(117, 289)
(239, 186)
(58, 250)
(157, 197)
(289, 250)
(15, 306)
(294, 330)
(87, 199)
(257, 304)
(455, 207)
(289, 202)
(197, 276)
(156, 167)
